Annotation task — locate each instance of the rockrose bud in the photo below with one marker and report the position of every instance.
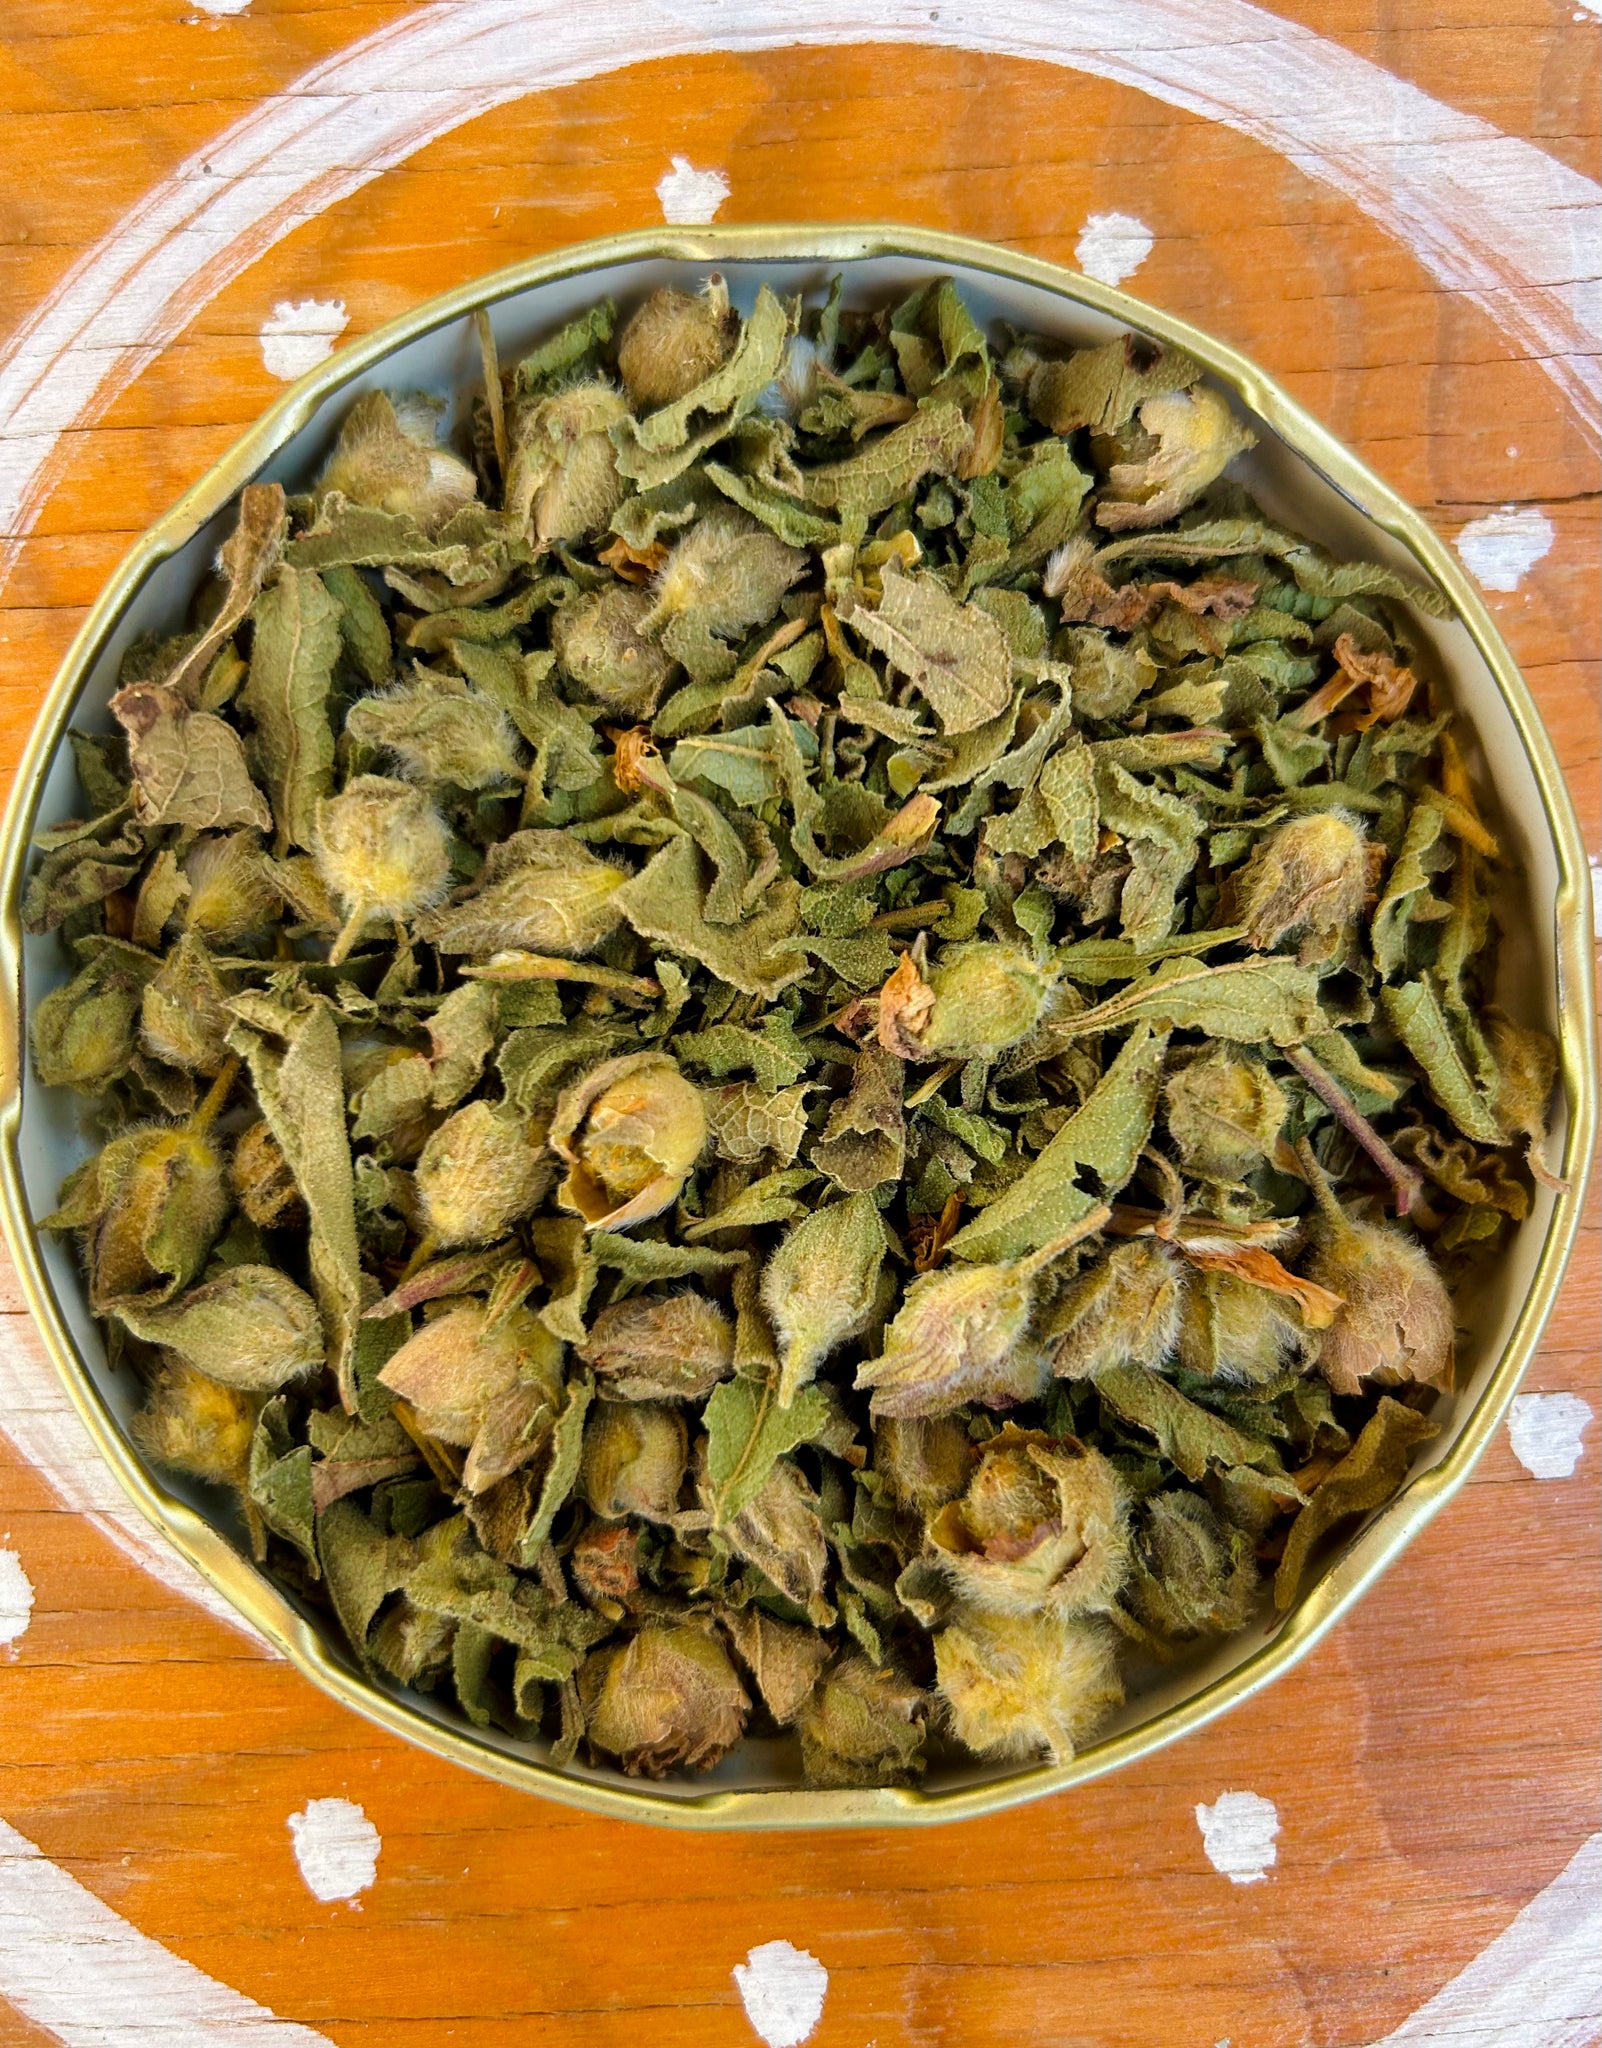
(660, 1348)
(1309, 875)
(926, 1459)
(1191, 1574)
(383, 850)
(635, 1453)
(599, 643)
(182, 1018)
(1396, 1323)
(149, 1207)
(1236, 1333)
(1042, 1525)
(387, 456)
(196, 1426)
(562, 482)
(962, 1334)
(458, 1364)
(1123, 1310)
(862, 1726)
(231, 895)
(666, 1699)
(674, 342)
(629, 1131)
(1017, 1685)
(974, 1002)
(481, 1170)
(1224, 1113)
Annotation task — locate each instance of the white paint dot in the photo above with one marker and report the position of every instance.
(1238, 1835)
(16, 1597)
(299, 333)
(222, 6)
(1112, 246)
(1546, 1431)
(782, 1989)
(336, 1846)
(690, 198)
(1503, 546)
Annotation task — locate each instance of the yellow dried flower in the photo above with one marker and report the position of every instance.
(196, 1426)
(635, 1453)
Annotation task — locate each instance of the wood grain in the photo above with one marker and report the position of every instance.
(1434, 1764)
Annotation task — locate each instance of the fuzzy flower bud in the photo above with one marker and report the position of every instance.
(600, 643)
(674, 342)
(925, 1460)
(660, 1348)
(629, 1132)
(634, 1459)
(387, 456)
(666, 1699)
(1236, 1333)
(480, 1171)
(197, 1426)
(962, 1334)
(1396, 1322)
(1042, 1525)
(230, 893)
(383, 850)
(1309, 875)
(1224, 1113)
(1190, 1573)
(973, 1003)
(1123, 1310)
(457, 1365)
(862, 1726)
(1017, 1686)
(149, 1206)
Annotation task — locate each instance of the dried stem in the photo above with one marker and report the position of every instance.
(492, 387)
(1405, 1183)
(349, 933)
(218, 1093)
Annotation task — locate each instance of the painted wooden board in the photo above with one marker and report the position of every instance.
(1392, 205)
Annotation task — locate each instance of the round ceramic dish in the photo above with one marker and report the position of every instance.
(1302, 477)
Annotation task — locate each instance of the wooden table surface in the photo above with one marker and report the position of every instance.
(1305, 183)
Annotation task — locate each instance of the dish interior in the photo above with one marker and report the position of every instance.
(55, 1135)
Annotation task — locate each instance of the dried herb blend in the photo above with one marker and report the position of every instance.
(800, 1044)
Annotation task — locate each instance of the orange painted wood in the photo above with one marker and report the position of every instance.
(1434, 1764)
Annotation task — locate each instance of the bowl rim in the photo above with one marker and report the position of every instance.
(1376, 1545)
